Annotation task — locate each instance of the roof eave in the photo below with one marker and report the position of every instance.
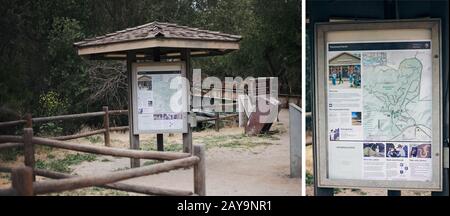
(157, 42)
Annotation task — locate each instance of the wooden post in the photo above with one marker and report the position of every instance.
(187, 137)
(199, 171)
(217, 123)
(160, 142)
(159, 137)
(29, 120)
(22, 181)
(106, 126)
(134, 138)
(28, 151)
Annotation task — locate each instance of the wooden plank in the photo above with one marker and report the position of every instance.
(22, 181)
(199, 171)
(106, 135)
(52, 186)
(137, 154)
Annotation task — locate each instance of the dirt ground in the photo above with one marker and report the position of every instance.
(235, 169)
(236, 164)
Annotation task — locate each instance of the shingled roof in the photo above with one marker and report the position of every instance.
(161, 32)
(158, 30)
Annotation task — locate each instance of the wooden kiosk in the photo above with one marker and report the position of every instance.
(157, 42)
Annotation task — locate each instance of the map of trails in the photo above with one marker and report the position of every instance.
(162, 92)
(397, 95)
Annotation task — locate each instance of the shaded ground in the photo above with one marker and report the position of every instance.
(236, 164)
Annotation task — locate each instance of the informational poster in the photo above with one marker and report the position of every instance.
(156, 90)
(380, 110)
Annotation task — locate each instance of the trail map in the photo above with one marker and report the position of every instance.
(396, 97)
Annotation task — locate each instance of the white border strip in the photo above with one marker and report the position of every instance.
(303, 23)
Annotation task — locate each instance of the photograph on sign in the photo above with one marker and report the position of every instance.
(160, 97)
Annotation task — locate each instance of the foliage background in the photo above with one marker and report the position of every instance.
(41, 73)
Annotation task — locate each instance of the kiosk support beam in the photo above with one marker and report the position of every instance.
(187, 137)
(134, 138)
(159, 137)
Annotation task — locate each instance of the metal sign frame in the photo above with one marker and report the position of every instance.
(322, 31)
(159, 68)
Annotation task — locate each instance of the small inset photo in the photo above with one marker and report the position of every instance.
(345, 71)
(420, 151)
(396, 150)
(374, 150)
(356, 118)
(145, 83)
(334, 134)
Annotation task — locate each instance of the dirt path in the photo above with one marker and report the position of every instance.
(238, 169)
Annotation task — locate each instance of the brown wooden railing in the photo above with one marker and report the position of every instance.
(106, 130)
(24, 182)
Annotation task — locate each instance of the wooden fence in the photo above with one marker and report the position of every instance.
(106, 130)
(24, 182)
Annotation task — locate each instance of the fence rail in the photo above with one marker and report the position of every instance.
(24, 183)
(106, 130)
(63, 117)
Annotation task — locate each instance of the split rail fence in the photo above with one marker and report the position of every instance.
(106, 130)
(23, 178)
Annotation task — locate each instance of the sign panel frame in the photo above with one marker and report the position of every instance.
(162, 69)
(375, 31)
